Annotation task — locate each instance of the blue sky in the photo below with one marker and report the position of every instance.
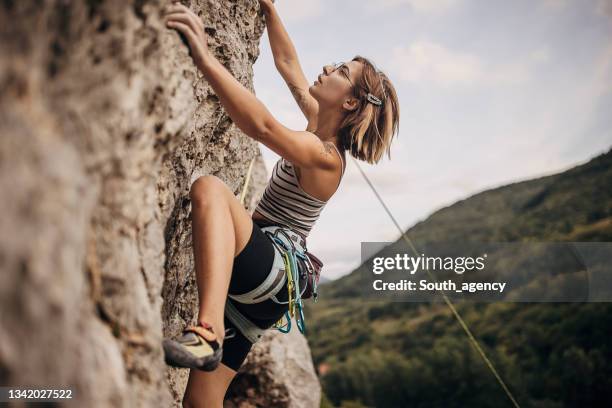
(491, 92)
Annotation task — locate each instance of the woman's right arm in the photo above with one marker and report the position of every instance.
(287, 63)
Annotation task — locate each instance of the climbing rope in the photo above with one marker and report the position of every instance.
(246, 182)
(448, 302)
(286, 328)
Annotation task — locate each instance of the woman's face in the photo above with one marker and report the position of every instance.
(333, 88)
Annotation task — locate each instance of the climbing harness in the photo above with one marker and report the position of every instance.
(251, 331)
(292, 264)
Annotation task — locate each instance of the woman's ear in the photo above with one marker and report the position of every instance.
(350, 104)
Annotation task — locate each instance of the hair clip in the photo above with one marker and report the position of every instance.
(371, 98)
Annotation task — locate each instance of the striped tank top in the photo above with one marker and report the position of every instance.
(286, 203)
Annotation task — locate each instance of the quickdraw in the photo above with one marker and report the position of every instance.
(290, 255)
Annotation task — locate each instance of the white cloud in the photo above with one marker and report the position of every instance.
(601, 80)
(602, 7)
(418, 6)
(296, 10)
(541, 55)
(425, 61)
(555, 4)
(383, 178)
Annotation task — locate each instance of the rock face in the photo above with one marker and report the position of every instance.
(104, 125)
(278, 373)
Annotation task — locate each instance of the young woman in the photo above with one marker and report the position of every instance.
(350, 107)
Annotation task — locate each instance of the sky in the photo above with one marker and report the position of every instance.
(490, 92)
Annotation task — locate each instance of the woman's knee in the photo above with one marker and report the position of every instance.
(206, 189)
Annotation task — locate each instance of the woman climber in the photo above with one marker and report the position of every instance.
(350, 107)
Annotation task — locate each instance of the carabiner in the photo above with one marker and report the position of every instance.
(290, 253)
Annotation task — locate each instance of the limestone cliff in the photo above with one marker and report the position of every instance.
(104, 125)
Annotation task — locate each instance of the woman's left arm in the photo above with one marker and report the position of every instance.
(247, 112)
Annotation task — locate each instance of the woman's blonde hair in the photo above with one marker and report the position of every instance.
(367, 131)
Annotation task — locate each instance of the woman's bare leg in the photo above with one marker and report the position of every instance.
(206, 389)
(221, 228)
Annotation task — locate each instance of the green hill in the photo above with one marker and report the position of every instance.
(372, 352)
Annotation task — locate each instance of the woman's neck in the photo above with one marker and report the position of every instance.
(328, 125)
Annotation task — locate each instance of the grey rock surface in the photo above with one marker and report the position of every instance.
(277, 373)
(104, 125)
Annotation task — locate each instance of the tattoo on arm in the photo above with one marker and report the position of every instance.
(328, 148)
(299, 96)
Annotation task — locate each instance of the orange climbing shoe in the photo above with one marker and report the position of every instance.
(197, 348)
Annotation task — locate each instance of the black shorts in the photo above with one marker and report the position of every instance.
(251, 267)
